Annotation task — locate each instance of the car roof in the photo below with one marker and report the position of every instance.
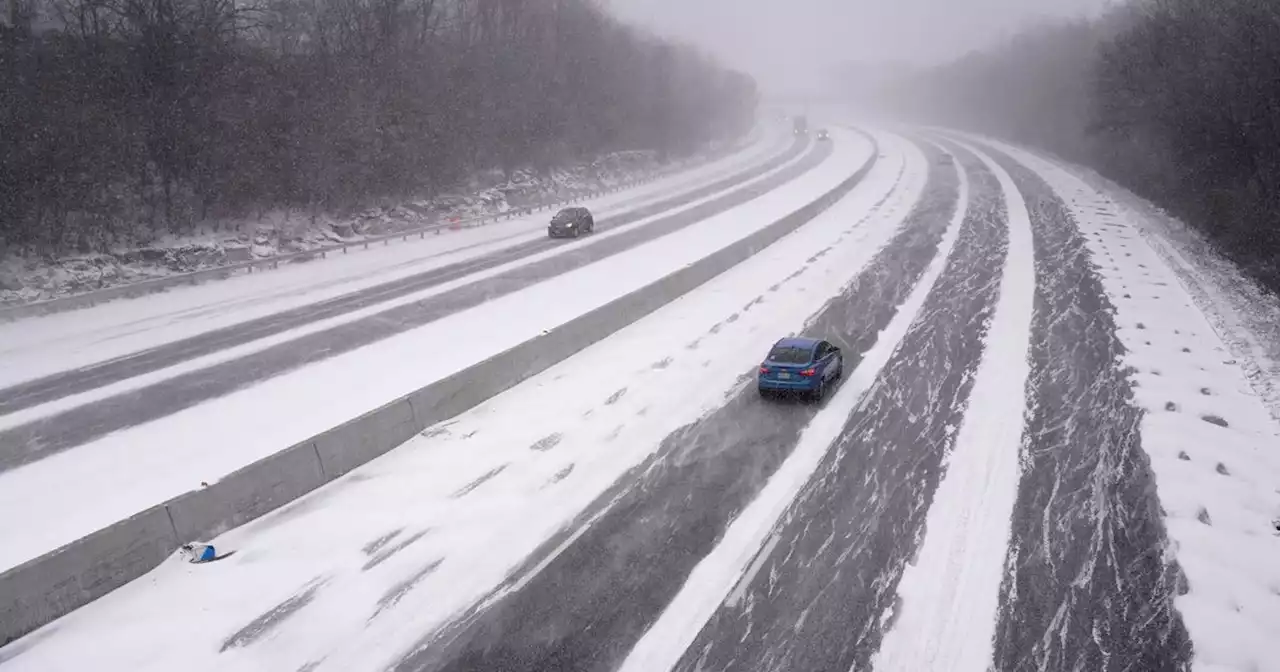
(797, 343)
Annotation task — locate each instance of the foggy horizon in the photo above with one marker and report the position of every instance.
(797, 48)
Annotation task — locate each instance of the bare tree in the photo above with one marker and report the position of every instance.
(131, 117)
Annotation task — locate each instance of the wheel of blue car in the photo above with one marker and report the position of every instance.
(821, 392)
(839, 368)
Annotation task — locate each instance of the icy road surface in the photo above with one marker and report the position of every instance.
(1044, 456)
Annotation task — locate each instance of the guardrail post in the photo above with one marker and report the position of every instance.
(366, 244)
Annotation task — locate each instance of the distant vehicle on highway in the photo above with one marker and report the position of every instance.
(946, 160)
(800, 125)
(804, 365)
(571, 222)
(823, 135)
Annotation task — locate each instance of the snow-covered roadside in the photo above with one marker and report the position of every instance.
(731, 562)
(42, 346)
(472, 498)
(1245, 315)
(285, 231)
(1214, 447)
(87, 488)
(950, 592)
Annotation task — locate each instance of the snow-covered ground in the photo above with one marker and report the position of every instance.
(85, 489)
(1245, 315)
(1214, 447)
(396, 547)
(357, 574)
(41, 346)
(277, 232)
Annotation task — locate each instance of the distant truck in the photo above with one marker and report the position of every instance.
(800, 125)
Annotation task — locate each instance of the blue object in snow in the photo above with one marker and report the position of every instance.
(199, 552)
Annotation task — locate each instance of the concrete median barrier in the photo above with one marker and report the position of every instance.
(246, 494)
(57, 583)
(350, 445)
(40, 591)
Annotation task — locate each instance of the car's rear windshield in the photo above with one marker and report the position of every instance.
(790, 355)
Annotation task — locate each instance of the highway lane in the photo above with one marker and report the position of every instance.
(1087, 585)
(631, 550)
(48, 435)
(34, 392)
(819, 599)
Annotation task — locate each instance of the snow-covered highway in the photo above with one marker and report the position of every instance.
(155, 418)
(40, 349)
(1043, 455)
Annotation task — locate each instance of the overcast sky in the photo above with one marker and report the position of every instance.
(785, 43)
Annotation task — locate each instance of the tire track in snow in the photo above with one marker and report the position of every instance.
(820, 599)
(948, 595)
(1088, 585)
(610, 578)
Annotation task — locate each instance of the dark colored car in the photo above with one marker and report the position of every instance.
(571, 222)
(823, 135)
(805, 365)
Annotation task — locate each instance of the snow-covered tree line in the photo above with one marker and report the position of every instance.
(1178, 100)
(116, 114)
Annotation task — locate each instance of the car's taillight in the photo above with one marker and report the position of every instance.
(764, 369)
(809, 372)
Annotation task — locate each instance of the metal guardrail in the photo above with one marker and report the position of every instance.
(143, 287)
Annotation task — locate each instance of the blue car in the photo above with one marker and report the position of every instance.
(805, 365)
